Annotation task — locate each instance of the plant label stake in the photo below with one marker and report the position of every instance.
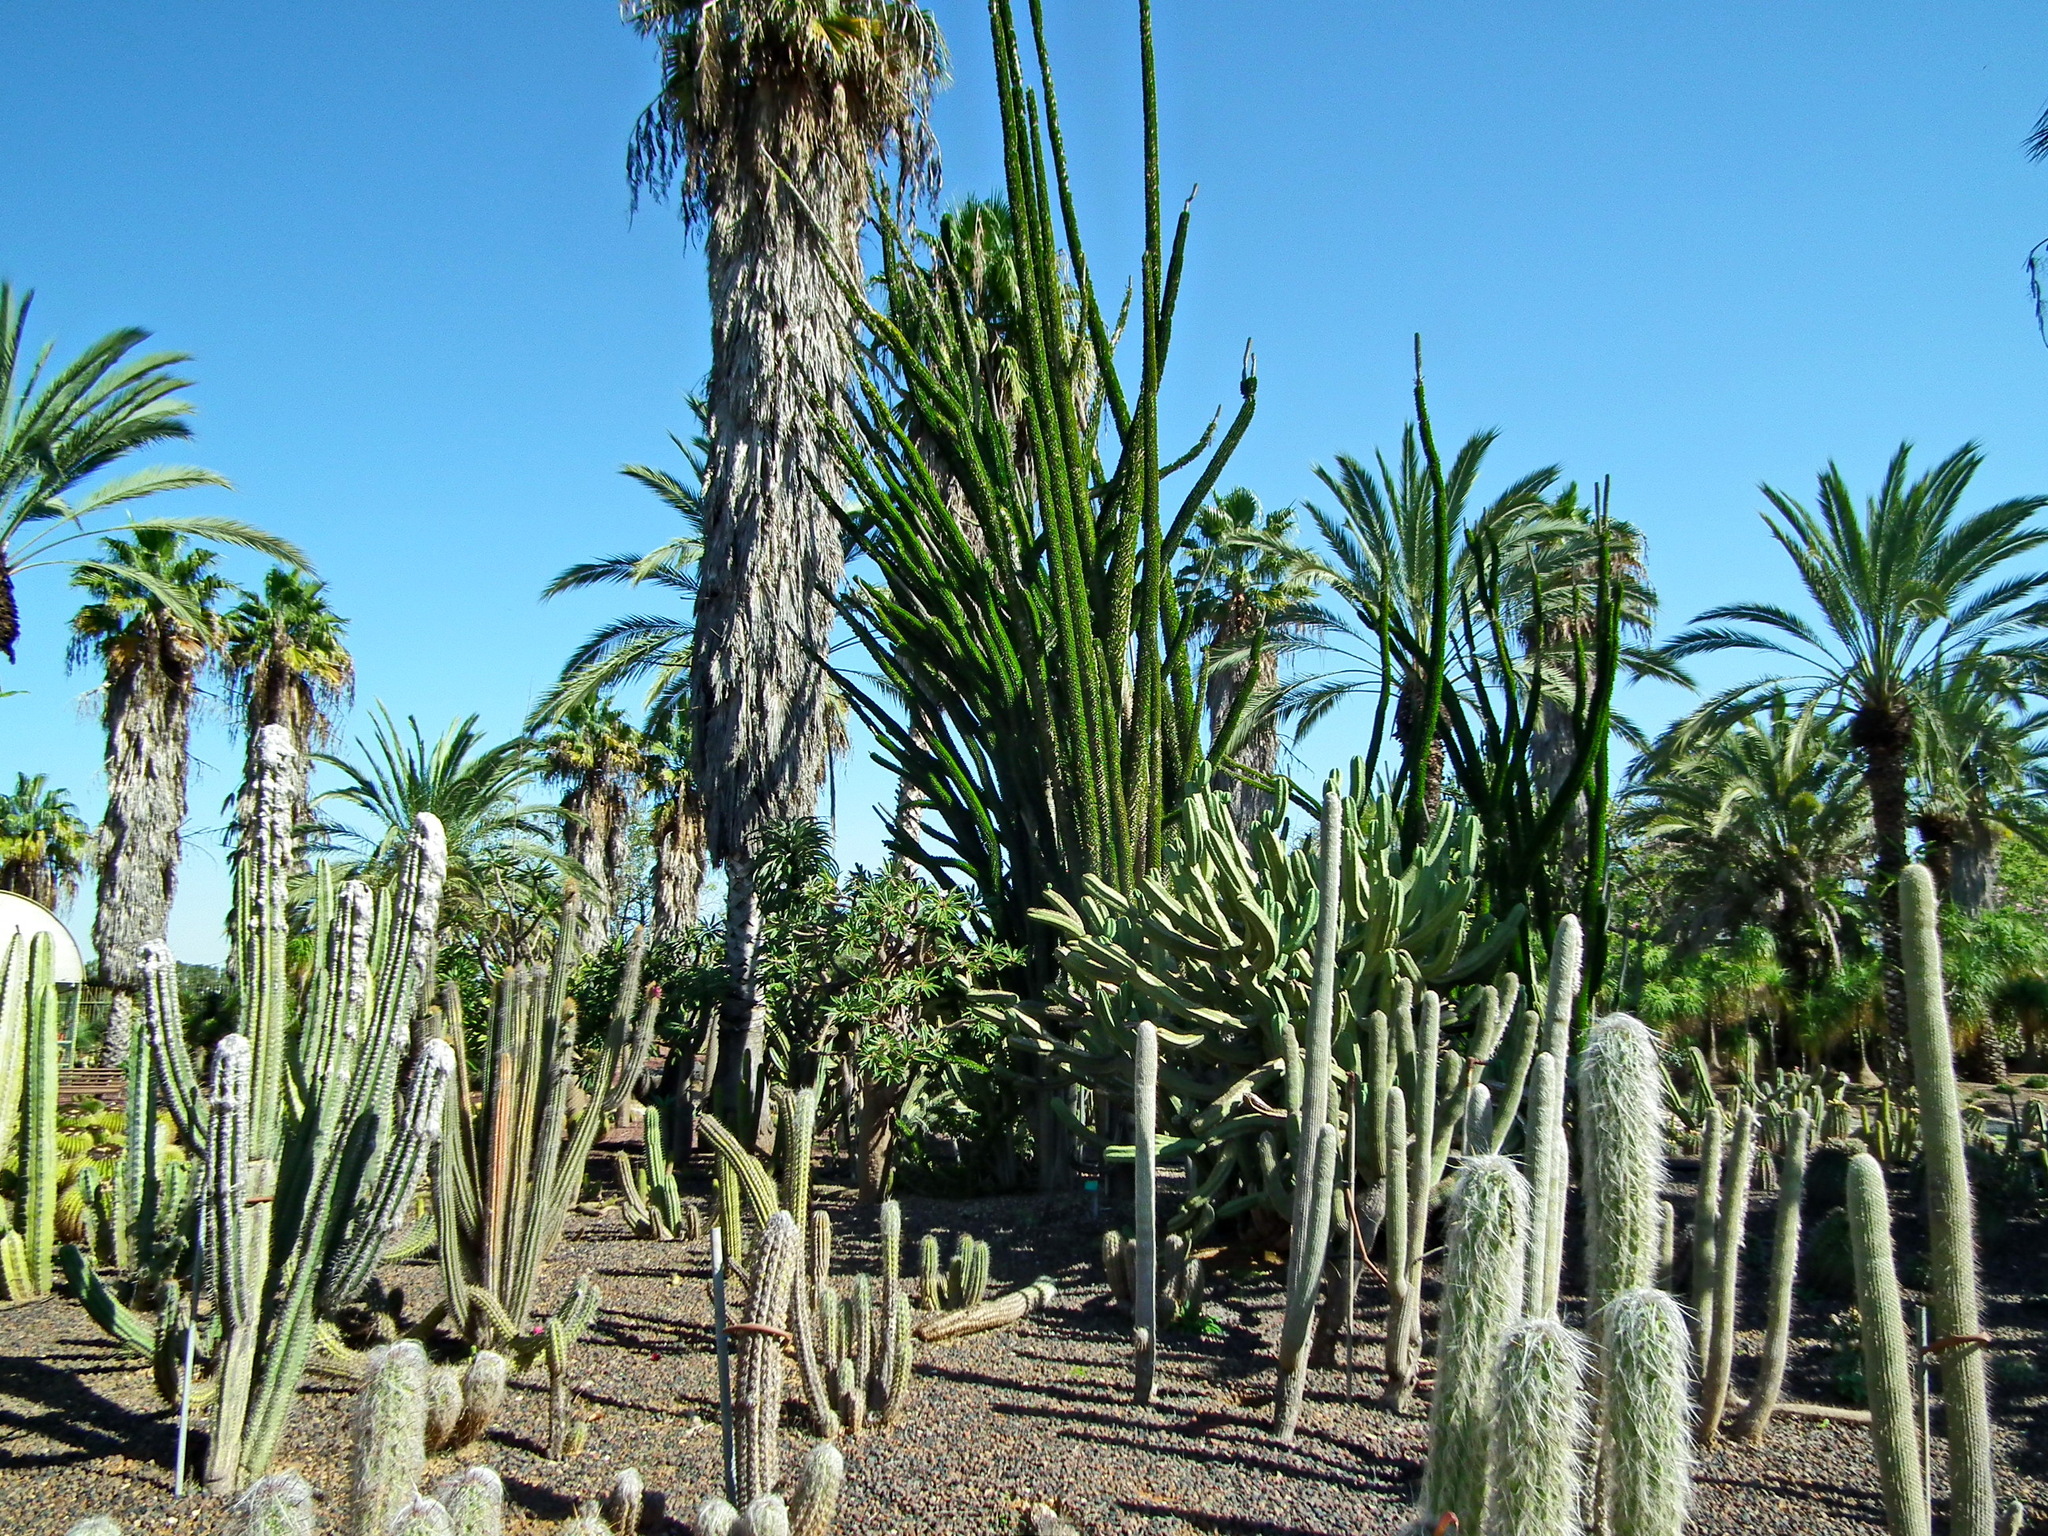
(732, 1490)
(191, 1335)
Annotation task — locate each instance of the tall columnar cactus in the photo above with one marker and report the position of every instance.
(1549, 1166)
(1621, 1127)
(1729, 1225)
(514, 1159)
(796, 1122)
(1535, 1480)
(1706, 1210)
(1314, 1176)
(1145, 1187)
(28, 1110)
(309, 1153)
(1482, 1300)
(1770, 1375)
(1951, 1217)
(1646, 1456)
(390, 1428)
(1887, 1362)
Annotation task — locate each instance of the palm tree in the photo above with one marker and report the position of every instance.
(598, 756)
(152, 626)
(43, 842)
(676, 828)
(287, 664)
(1978, 760)
(1757, 824)
(772, 116)
(502, 866)
(1248, 590)
(1907, 587)
(62, 427)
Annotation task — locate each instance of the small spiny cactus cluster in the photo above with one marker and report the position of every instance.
(649, 1197)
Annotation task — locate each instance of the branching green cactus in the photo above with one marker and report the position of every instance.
(1535, 1480)
(1952, 1222)
(1729, 1225)
(1770, 1376)
(650, 1198)
(514, 1161)
(1887, 1363)
(1482, 1300)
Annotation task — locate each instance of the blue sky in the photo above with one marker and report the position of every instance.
(1689, 247)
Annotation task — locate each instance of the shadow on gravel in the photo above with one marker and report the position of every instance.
(1205, 1524)
(56, 1401)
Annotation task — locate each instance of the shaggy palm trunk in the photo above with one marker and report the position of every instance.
(1973, 871)
(149, 725)
(1884, 745)
(781, 343)
(678, 865)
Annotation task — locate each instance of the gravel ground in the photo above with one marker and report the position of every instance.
(997, 1422)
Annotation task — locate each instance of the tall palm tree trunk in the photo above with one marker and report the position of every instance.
(148, 718)
(678, 864)
(781, 342)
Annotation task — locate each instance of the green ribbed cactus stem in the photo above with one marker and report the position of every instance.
(388, 1438)
(1729, 1226)
(1706, 1209)
(1621, 1122)
(797, 1125)
(902, 1361)
(1667, 1243)
(624, 1504)
(1313, 1237)
(860, 1327)
(1482, 1300)
(1398, 1230)
(556, 1346)
(444, 1406)
(814, 1493)
(483, 1394)
(1887, 1359)
(831, 1326)
(1951, 1216)
(420, 1516)
(39, 1119)
(1549, 1169)
(889, 1324)
(475, 1501)
(810, 1326)
(726, 1180)
(931, 1274)
(819, 1258)
(281, 1504)
(16, 1283)
(1770, 1376)
(1646, 1456)
(1145, 1198)
(758, 1362)
(1534, 1476)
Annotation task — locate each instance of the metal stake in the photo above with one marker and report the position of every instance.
(732, 1476)
(191, 1340)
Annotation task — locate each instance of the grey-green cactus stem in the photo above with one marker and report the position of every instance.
(1482, 1300)
(1706, 1209)
(1646, 1455)
(1145, 1187)
(483, 1394)
(1952, 1222)
(758, 1363)
(475, 1501)
(1534, 1479)
(1549, 1167)
(29, 1027)
(1887, 1362)
(280, 1504)
(931, 1276)
(1770, 1377)
(1729, 1226)
(1621, 1124)
(389, 1439)
(1314, 1235)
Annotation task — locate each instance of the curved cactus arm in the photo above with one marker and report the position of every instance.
(163, 1021)
(762, 1198)
(102, 1306)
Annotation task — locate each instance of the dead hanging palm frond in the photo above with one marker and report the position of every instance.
(1007, 487)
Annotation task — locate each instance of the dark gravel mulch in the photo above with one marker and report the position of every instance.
(997, 1423)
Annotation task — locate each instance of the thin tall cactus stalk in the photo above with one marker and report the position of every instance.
(1887, 1361)
(1145, 1278)
(1952, 1222)
(1706, 1208)
(1770, 1376)
(1729, 1226)
(1482, 1300)
(1549, 1169)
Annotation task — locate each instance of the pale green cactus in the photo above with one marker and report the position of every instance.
(1144, 1281)
(1535, 1480)
(1887, 1359)
(1770, 1376)
(1729, 1226)
(389, 1438)
(279, 1504)
(475, 1501)
(1646, 1454)
(1621, 1127)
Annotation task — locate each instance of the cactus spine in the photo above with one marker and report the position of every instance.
(1482, 1300)
(390, 1439)
(1737, 1159)
(475, 1501)
(1952, 1222)
(758, 1366)
(1621, 1118)
(1144, 1282)
(1534, 1481)
(1646, 1459)
(1887, 1361)
(1770, 1376)
(280, 1504)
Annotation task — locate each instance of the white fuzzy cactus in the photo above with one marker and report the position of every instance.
(1535, 1484)
(1646, 1454)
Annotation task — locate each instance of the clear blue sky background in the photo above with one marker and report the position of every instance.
(1690, 247)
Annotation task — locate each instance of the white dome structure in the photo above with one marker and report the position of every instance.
(20, 915)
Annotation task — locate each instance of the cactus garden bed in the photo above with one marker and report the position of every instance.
(997, 1422)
